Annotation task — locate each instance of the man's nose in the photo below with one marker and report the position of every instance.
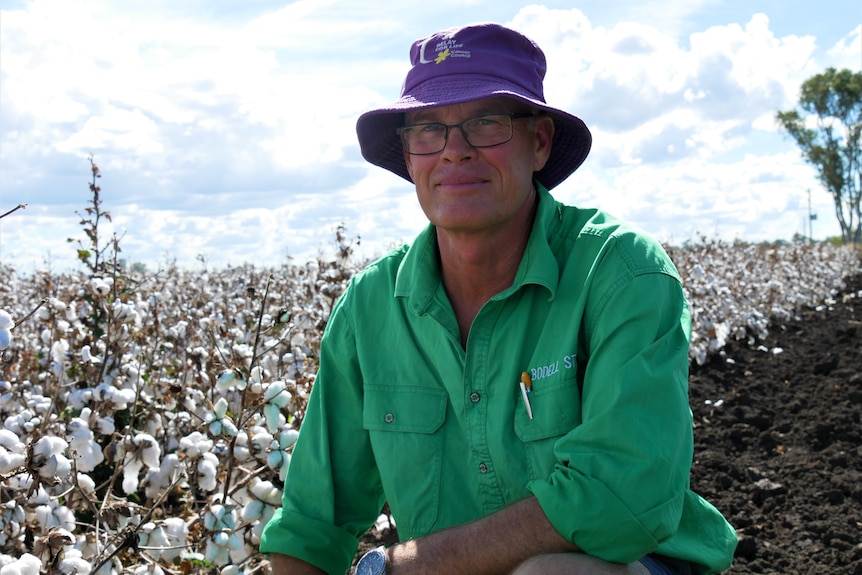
(457, 145)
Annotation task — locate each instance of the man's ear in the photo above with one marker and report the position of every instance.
(544, 139)
(409, 165)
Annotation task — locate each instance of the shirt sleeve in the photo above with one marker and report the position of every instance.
(332, 492)
(618, 487)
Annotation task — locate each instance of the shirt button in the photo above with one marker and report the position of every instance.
(389, 417)
(483, 468)
(474, 397)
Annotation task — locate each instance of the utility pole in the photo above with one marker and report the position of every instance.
(811, 218)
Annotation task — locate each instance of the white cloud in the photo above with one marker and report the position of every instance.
(228, 129)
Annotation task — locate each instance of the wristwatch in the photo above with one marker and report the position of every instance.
(372, 563)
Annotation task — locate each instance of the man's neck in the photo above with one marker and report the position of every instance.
(475, 267)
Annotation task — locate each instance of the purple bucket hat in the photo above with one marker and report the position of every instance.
(465, 64)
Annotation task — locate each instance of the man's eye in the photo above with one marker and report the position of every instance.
(486, 122)
(431, 128)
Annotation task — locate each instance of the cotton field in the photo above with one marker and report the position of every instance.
(148, 419)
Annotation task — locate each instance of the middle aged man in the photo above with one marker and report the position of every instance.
(514, 383)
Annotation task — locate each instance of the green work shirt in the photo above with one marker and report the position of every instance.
(401, 413)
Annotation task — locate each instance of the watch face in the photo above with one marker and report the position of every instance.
(372, 563)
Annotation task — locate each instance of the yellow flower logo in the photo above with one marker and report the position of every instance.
(442, 56)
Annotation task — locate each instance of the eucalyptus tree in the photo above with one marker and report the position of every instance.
(826, 126)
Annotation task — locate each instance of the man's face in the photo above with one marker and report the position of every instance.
(463, 189)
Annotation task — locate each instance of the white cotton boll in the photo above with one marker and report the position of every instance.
(6, 321)
(288, 437)
(11, 441)
(103, 392)
(131, 468)
(82, 443)
(195, 444)
(71, 312)
(10, 461)
(257, 374)
(252, 511)
(149, 450)
(207, 473)
(80, 398)
(272, 415)
(59, 349)
(267, 492)
(105, 425)
(149, 569)
(64, 517)
(159, 480)
(86, 483)
(44, 517)
(25, 565)
(100, 286)
(5, 338)
(123, 397)
(73, 563)
(57, 465)
(215, 553)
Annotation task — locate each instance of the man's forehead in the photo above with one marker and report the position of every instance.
(494, 105)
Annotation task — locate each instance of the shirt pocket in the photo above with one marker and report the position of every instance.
(404, 424)
(556, 411)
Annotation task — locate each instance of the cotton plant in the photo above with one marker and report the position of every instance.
(217, 420)
(278, 457)
(164, 540)
(263, 498)
(275, 397)
(219, 521)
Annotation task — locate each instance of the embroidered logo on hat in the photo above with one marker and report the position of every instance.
(444, 49)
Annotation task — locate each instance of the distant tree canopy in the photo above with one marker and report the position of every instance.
(826, 126)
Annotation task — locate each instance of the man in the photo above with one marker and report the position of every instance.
(419, 399)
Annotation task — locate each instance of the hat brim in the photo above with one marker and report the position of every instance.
(381, 146)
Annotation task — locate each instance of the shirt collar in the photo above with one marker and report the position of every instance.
(418, 275)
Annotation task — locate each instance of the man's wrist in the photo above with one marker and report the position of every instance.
(375, 562)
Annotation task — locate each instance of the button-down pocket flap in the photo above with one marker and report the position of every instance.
(403, 408)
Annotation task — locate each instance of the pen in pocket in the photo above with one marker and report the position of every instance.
(526, 385)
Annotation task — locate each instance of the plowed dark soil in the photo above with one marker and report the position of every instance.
(781, 456)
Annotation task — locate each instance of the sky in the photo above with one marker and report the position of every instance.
(225, 131)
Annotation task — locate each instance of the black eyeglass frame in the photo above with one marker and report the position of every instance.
(512, 116)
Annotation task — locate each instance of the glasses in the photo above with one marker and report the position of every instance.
(479, 132)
